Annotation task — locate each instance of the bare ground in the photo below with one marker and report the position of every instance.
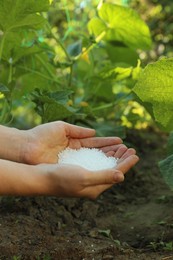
(131, 221)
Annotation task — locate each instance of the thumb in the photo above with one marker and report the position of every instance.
(108, 176)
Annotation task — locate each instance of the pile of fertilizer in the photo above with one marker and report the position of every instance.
(88, 158)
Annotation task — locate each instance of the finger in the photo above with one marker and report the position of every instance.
(110, 154)
(78, 131)
(93, 192)
(121, 151)
(128, 153)
(108, 176)
(111, 148)
(127, 163)
(100, 142)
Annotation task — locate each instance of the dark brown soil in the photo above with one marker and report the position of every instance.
(133, 220)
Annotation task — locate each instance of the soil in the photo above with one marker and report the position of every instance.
(133, 220)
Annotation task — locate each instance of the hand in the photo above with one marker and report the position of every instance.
(44, 142)
(73, 181)
(63, 180)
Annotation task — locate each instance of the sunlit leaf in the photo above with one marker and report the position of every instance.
(155, 87)
(121, 24)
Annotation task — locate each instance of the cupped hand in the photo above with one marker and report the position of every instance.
(44, 142)
(65, 180)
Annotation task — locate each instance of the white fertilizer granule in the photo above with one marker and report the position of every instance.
(88, 158)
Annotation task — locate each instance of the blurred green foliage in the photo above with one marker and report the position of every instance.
(158, 15)
(79, 60)
(55, 65)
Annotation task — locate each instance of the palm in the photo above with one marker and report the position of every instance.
(50, 139)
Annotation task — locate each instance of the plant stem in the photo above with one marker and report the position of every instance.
(70, 76)
(2, 45)
(103, 107)
(110, 104)
(97, 40)
(62, 46)
(10, 73)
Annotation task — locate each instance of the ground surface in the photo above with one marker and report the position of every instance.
(131, 221)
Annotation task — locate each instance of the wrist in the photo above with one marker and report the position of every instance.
(38, 180)
(35, 180)
(12, 143)
(46, 179)
(19, 145)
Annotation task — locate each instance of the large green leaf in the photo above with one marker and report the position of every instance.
(19, 13)
(19, 44)
(28, 82)
(121, 24)
(170, 144)
(155, 86)
(57, 111)
(122, 54)
(55, 107)
(108, 129)
(166, 168)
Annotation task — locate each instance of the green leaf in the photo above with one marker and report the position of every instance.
(155, 87)
(24, 52)
(166, 168)
(121, 24)
(170, 144)
(34, 21)
(15, 45)
(105, 232)
(55, 107)
(116, 73)
(19, 13)
(28, 82)
(3, 88)
(108, 129)
(122, 54)
(57, 111)
(75, 48)
(61, 96)
(96, 26)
